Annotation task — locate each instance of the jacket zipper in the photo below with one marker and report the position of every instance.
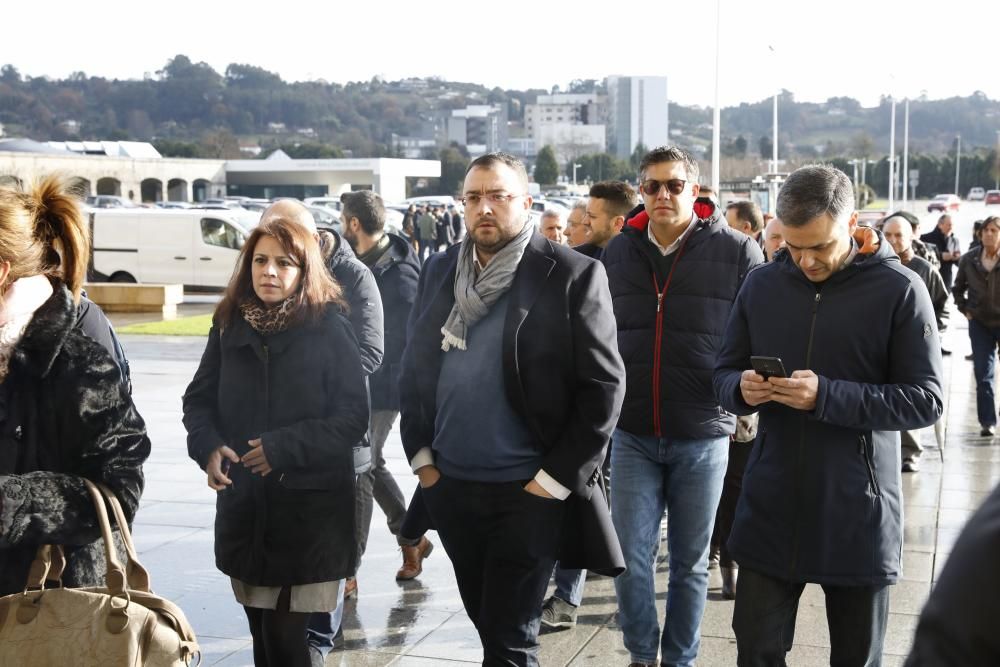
(800, 454)
(657, 345)
(869, 457)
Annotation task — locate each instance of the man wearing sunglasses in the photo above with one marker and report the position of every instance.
(673, 278)
(510, 387)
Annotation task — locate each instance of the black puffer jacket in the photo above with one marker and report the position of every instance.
(669, 349)
(396, 272)
(301, 391)
(361, 293)
(64, 414)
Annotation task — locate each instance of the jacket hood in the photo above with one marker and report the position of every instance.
(399, 252)
(335, 249)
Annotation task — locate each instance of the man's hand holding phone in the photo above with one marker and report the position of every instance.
(755, 389)
(768, 382)
(798, 391)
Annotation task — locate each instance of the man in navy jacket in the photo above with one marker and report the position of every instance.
(673, 277)
(821, 498)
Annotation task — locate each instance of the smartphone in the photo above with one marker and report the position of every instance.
(768, 367)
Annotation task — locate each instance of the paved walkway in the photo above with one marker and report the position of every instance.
(421, 623)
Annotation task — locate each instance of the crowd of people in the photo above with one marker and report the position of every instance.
(559, 390)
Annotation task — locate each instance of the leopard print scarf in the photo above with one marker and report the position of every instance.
(267, 321)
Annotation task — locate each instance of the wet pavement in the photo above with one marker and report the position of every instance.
(422, 622)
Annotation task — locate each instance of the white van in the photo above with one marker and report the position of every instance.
(197, 248)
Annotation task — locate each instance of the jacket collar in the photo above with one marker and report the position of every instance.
(47, 332)
(872, 250)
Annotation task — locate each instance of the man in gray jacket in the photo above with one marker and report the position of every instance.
(899, 233)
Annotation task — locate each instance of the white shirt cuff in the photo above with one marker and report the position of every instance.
(551, 486)
(425, 457)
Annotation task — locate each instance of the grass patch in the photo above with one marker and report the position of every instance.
(182, 326)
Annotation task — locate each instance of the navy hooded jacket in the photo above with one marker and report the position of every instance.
(821, 495)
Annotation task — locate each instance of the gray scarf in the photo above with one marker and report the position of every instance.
(474, 295)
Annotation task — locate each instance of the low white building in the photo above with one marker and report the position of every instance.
(152, 179)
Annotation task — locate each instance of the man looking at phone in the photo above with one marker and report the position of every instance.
(673, 277)
(821, 501)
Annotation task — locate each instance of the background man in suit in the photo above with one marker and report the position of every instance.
(505, 424)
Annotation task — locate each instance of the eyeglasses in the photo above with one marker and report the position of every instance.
(498, 198)
(652, 187)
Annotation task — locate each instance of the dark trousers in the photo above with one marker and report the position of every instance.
(732, 484)
(279, 635)
(502, 542)
(764, 621)
(378, 485)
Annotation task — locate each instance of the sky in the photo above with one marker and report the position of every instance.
(855, 48)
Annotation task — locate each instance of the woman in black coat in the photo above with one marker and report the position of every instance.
(65, 415)
(272, 415)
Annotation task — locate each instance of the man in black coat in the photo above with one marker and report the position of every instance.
(673, 278)
(821, 501)
(511, 384)
(396, 269)
(948, 248)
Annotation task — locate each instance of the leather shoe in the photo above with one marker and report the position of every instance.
(729, 576)
(988, 431)
(413, 558)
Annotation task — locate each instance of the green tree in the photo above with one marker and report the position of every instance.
(603, 166)
(546, 167)
(766, 147)
(312, 151)
(453, 167)
(638, 153)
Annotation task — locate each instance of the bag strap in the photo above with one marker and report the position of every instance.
(115, 579)
(138, 576)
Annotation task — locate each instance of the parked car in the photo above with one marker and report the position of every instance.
(992, 197)
(109, 201)
(172, 204)
(976, 194)
(944, 203)
(332, 203)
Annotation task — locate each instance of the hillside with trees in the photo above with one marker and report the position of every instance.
(187, 109)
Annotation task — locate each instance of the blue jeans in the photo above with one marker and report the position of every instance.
(324, 625)
(984, 353)
(569, 585)
(684, 476)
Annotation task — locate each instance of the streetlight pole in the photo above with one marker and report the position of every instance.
(575, 167)
(892, 154)
(716, 113)
(774, 147)
(906, 149)
(996, 160)
(958, 161)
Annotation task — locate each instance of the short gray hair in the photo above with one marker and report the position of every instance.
(551, 213)
(579, 204)
(812, 191)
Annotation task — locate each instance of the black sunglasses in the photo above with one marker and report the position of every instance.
(674, 186)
